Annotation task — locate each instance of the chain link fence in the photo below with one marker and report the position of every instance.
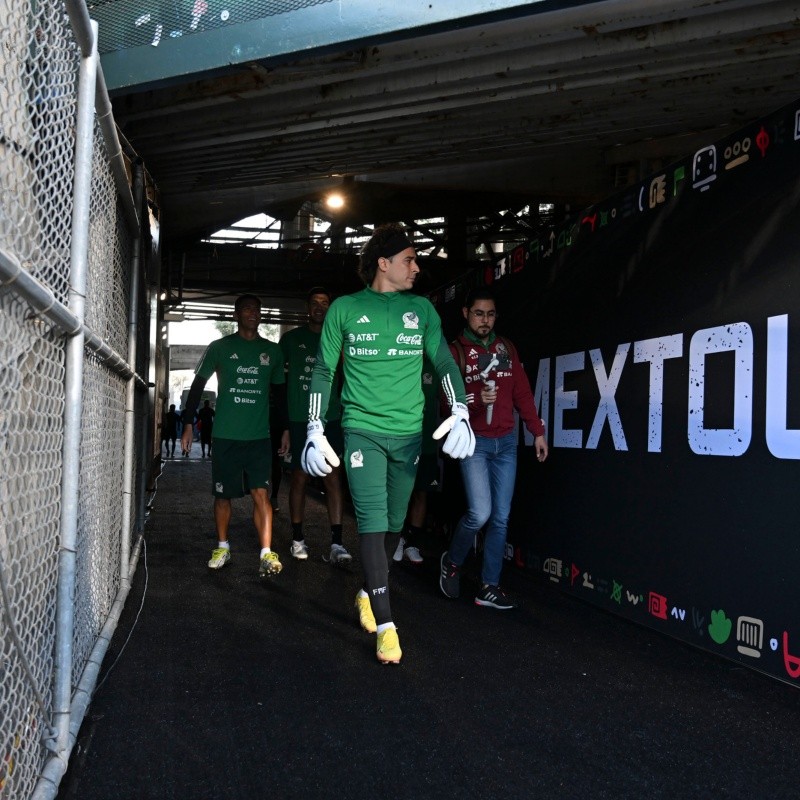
(65, 554)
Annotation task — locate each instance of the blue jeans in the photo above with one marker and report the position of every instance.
(489, 477)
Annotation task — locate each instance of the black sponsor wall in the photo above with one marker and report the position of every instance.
(661, 331)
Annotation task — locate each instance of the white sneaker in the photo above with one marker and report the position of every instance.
(299, 550)
(339, 554)
(398, 552)
(413, 555)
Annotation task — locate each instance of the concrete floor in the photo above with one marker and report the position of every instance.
(235, 687)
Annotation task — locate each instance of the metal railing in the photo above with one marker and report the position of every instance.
(73, 347)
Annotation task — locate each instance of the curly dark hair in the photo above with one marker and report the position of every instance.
(479, 293)
(386, 241)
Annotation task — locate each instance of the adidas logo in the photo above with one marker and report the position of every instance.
(234, 356)
(364, 318)
(302, 347)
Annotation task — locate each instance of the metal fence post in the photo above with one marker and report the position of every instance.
(129, 481)
(65, 604)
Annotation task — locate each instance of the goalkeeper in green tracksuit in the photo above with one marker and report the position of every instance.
(381, 334)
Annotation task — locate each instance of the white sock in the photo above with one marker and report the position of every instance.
(385, 626)
(264, 551)
(362, 593)
(224, 545)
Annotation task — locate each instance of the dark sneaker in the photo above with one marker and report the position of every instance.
(449, 578)
(494, 597)
(339, 554)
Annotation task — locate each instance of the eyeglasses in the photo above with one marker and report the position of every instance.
(480, 313)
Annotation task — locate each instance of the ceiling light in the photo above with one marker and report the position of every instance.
(334, 200)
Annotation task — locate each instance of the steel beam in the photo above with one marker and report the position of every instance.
(167, 46)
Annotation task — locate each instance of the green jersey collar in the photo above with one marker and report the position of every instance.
(468, 334)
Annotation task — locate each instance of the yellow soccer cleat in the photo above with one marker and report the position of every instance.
(270, 565)
(389, 651)
(219, 558)
(365, 615)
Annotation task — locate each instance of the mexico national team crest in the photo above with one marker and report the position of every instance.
(264, 359)
(356, 459)
(411, 320)
(502, 353)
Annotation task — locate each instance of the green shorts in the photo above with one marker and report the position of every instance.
(380, 472)
(297, 434)
(237, 467)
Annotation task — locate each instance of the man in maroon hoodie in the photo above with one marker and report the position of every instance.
(496, 384)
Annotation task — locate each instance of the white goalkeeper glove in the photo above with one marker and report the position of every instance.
(318, 457)
(460, 441)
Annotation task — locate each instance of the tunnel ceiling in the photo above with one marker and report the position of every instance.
(562, 104)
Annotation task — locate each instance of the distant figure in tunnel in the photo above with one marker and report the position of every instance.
(496, 385)
(169, 431)
(381, 333)
(299, 348)
(187, 418)
(246, 366)
(205, 420)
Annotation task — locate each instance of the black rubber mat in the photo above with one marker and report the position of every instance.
(236, 687)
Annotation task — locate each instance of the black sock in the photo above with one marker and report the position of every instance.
(336, 534)
(376, 575)
(297, 531)
(413, 534)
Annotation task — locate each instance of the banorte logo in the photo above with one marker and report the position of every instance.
(405, 338)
